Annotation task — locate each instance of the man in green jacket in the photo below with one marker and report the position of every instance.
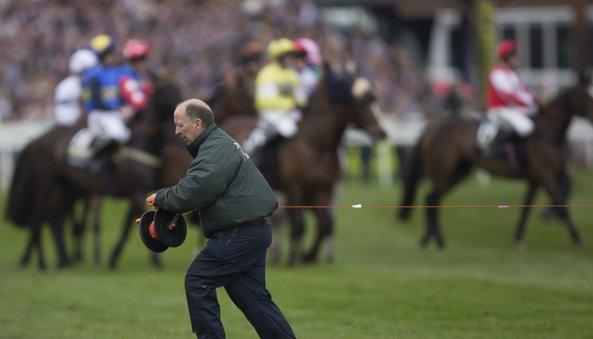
(234, 201)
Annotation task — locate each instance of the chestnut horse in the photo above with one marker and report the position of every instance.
(307, 168)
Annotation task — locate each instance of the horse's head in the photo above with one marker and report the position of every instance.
(576, 101)
(356, 100)
(581, 98)
(165, 98)
(153, 125)
(368, 114)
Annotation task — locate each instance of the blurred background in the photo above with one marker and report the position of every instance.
(427, 60)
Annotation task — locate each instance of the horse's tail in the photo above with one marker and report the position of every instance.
(412, 176)
(22, 191)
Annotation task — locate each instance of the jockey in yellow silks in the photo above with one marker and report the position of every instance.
(279, 96)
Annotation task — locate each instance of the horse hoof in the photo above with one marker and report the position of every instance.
(63, 265)
(519, 244)
(309, 259)
(112, 264)
(578, 242)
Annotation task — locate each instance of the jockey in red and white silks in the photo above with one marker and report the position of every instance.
(510, 104)
(135, 87)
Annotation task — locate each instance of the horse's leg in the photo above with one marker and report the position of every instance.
(95, 207)
(432, 218)
(449, 172)
(78, 226)
(558, 198)
(330, 253)
(57, 228)
(324, 226)
(26, 258)
(529, 196)
(133, 211)
(297, 229)
(37, 244)
(275, 251)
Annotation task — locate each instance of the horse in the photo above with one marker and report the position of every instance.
(307, 168)
(447, 151)
(234, 98)
(141, 166)
(34, 199)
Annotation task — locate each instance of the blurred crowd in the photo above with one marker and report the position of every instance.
(196, 42)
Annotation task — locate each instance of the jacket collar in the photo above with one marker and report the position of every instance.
(195, 145)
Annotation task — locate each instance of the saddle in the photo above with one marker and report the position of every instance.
(88, 150)
(493, 141)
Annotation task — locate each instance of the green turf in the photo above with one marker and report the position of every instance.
(381, 285)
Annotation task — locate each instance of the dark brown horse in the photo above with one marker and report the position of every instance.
(234, 98)
(34, 199)
(447, 151)
(143, 166)
(308, 165)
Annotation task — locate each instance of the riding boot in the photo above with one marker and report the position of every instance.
(496, 146)
(102, 151)
(266, 155)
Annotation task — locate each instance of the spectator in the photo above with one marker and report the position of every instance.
(190, 43)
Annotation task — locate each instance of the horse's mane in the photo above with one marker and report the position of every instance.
(558, 101)
(338, 85)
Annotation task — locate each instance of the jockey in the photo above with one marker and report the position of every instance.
(134, 83)
(104, 105)
(278, 96)
(103, 101)
(510, 104)
(309, 64)
(68, 94)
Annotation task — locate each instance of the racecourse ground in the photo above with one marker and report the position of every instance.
(381, 285)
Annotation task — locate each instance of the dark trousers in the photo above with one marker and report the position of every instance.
(235, 259)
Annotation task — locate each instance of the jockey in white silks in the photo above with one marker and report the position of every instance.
(68, 93)
(278, 96)
(510, 104)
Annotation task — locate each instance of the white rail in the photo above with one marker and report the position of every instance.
(15, 135)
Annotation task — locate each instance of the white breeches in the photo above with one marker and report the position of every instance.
(272, 123)
(515, 118)
(109, 125)
(283, 123)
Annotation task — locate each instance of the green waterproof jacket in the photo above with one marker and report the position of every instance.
(222, 183)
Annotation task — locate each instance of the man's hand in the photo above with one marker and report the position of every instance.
(150, 201)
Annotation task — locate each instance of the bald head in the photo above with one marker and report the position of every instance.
(191, 117)
(196, 109)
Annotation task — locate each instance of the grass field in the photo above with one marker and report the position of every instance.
(381, 285)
